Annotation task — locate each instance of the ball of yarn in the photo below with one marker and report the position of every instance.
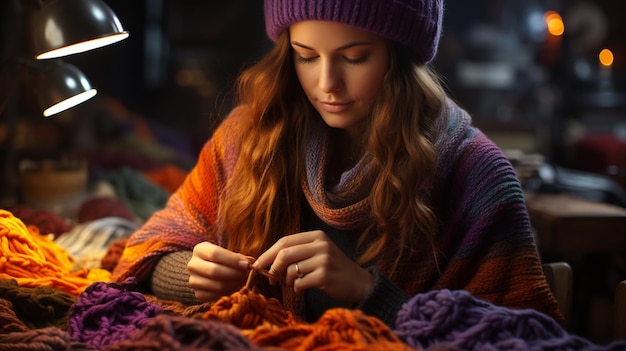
(108, 313)
(113, 254)
(101, 207)
(46, 221)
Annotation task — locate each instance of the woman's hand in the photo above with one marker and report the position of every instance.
(216, 271)
(321, 265)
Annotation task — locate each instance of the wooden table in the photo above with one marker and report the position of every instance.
(565, 224)
(587, 235)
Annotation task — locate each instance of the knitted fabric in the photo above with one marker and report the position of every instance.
(485, 243)
(168, 283)
(415, 24)
(458, 320)
(345, 205)
(169, 177)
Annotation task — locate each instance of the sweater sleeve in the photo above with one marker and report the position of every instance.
(384, 300)
(170, 279)
(190, 215)
(485, 245)
(488, 239)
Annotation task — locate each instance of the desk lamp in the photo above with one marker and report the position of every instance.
(58, 28)
(67, 27)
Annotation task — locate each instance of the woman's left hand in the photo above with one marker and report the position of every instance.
(320, 264)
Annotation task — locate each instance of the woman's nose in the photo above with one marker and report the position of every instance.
(329, 78)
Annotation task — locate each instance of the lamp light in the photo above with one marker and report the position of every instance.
(62, 86)
(67, 27)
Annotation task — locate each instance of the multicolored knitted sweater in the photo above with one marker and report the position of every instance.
(485, 245)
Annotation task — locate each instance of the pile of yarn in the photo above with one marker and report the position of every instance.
(107, 313)
(109, 316)
(458, 320)
(36, 260)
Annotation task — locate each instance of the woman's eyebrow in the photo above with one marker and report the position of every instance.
(344, 47)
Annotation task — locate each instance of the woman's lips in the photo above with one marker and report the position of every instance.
(334, 107)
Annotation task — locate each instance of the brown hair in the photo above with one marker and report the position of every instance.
(262, 198)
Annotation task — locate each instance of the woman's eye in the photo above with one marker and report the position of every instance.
(309, 59)
(356, 61)
(302, 59)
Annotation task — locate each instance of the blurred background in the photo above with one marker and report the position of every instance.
(528, 70)
(545, 79)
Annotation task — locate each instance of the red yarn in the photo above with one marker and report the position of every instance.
(100, 207)
(110, 259)
(46, 221)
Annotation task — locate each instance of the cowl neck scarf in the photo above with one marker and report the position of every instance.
(344, 205)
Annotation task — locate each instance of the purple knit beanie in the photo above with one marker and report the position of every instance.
(414, 23)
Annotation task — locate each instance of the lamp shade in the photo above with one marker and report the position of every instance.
(67, 27)
(62, 86)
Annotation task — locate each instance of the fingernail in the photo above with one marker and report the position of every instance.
(244, 264)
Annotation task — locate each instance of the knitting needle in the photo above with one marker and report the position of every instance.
(267, 273)
(263, 272)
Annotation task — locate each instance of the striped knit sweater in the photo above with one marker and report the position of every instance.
(484, 246)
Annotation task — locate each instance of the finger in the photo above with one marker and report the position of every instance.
(215, 253)
(298, 271)
(212, 270)
(269, 256)
(208, 289)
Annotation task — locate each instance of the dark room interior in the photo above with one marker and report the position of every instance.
(532, 73)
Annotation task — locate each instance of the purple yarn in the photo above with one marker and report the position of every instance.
(458, 320)
(107, 313)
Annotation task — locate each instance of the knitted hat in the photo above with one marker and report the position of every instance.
(414, 23)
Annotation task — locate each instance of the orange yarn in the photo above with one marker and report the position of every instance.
(267, 324)
(248, 310)
(169, 177)
(337, 329)
(35, 260)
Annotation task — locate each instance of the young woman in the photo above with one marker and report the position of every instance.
(348, 174)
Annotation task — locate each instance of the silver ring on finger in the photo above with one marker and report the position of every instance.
(300, 275)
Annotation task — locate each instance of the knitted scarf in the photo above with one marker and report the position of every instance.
(343, 206)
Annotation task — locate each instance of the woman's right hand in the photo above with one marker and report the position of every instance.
(216, 271)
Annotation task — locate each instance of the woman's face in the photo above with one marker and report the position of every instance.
(341, 69)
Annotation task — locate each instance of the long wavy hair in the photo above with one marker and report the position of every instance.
(263, 197)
